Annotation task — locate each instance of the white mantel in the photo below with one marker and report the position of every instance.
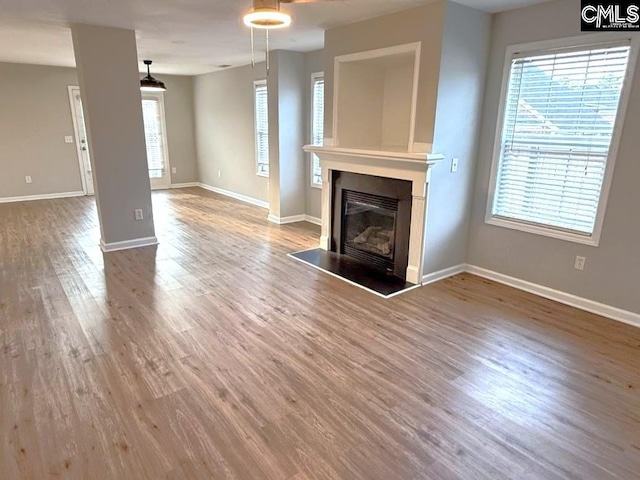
(414, 167)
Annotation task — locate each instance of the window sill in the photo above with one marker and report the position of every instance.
(316, 185)
(263, 175)
(592, 240)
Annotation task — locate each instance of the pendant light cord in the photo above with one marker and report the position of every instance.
(253, 61)
(267, 54)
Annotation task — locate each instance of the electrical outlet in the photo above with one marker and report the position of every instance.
(454, 165)
(580, 262)
(174, 170)
(68, 139)
(138, 214)
(27, 179)
(219, 173)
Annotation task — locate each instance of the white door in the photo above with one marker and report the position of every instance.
(155, 139)
(82, 143)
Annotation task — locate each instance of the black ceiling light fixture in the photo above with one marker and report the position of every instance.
(150, 84)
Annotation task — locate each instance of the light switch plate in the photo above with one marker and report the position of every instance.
(27, 179)
(454, 165)
(174, 170)
(68, 139)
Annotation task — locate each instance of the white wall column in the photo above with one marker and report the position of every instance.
(107, 66)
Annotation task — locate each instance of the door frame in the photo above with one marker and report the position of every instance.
(76, 133)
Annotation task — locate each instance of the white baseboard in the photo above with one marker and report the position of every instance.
(286, 220)
(253, 201)
(294, 219)
(127, 244)
(581, 303)
(608, 311)
(314, 220)
(237, 196)
(46, 196)
(442, 274)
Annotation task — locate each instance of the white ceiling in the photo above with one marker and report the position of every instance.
(186, 37)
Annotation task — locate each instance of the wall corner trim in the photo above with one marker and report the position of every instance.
(294, 219)
(237, 196)
(127, 244)
(442, 274)
(286, 220)
(45, 196)
(314, 220)
(581, 303)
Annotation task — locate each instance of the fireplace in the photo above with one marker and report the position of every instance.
(387, 191)
(372, 220)
(369, 227)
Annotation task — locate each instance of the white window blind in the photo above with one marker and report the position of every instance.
(262, 128)
(317, 125)
(559, 118)
(153, 132)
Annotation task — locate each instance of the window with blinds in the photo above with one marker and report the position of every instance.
(153, 132)
(560, 112)
(262, 127)
(317, 124)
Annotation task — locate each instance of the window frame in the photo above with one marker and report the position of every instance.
(314, 77)
(530, 49)
(256, 84)
(159, 96)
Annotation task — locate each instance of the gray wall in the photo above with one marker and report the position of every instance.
(224, 122)
(611, 274)
(181, 130)
(465, 47)
(314, 62)
(35, 116)
(455, 44)
(423, 24)
(225, 128)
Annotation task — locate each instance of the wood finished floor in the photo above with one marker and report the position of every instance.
(215, 356)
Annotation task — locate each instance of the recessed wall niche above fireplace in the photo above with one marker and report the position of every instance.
(375, 175)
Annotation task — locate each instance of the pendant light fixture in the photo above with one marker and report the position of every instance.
(150, 84)
(265, 15)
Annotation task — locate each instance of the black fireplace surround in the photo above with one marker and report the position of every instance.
(371, 220)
